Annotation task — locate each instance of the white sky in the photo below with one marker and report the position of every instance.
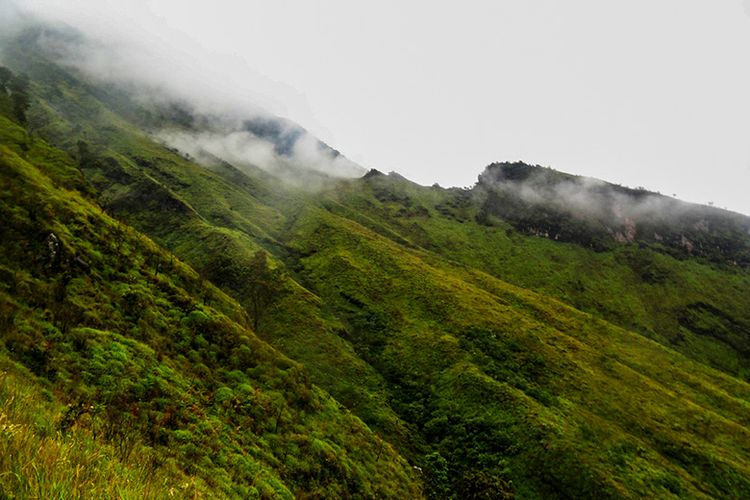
(641, 92)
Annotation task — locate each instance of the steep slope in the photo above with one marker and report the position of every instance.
(149, 356)
(692, 303)
(515, 389)
(39, 460)
(600, 215)
(214, 218)
(414, 307)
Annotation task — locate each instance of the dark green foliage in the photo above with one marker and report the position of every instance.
(502, 346)
(260, 286)
(544, 202)
(436, 480)
(114, 324)
(16, 88)
(19, 88)
(5, 76)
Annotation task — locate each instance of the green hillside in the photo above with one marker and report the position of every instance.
(417, 341)
(695, 305)
(153, 360)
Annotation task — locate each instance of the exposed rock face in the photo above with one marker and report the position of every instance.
(599, 215)
(53, 250)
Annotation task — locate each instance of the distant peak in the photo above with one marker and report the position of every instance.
(373, 172)
(519, 171)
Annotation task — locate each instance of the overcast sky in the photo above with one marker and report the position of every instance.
(652, 93)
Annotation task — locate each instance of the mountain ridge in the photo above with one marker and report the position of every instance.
(466, 355)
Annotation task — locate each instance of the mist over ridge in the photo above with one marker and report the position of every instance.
(564, 207)
(609, 110)
(199, 298)
(206, 123)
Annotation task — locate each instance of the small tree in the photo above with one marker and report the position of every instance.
(19, 88)
(436, 480)
(5, 76)
(262, 286)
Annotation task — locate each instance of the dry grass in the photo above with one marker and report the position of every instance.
(39, 461)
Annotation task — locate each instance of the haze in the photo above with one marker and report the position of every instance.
(653, 94)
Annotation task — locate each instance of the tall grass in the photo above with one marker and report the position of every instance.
(39, 461)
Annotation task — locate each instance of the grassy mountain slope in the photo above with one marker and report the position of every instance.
(39, 461)
(693, 305)
(500, 362)
(214, 219)
(147, 354)
(506, 382)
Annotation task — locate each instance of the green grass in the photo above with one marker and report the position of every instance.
(152, 352)
(40, 461)
(493, 374)
(642, 289)
(217, 219)
(497, 362)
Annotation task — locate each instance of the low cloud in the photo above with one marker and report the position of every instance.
(583, 198)
(308, 164)
(596, 214)
(219, 95)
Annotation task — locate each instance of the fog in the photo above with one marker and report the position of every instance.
(626, 214)
(638, 93)
(244, 149)
(220, 108)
